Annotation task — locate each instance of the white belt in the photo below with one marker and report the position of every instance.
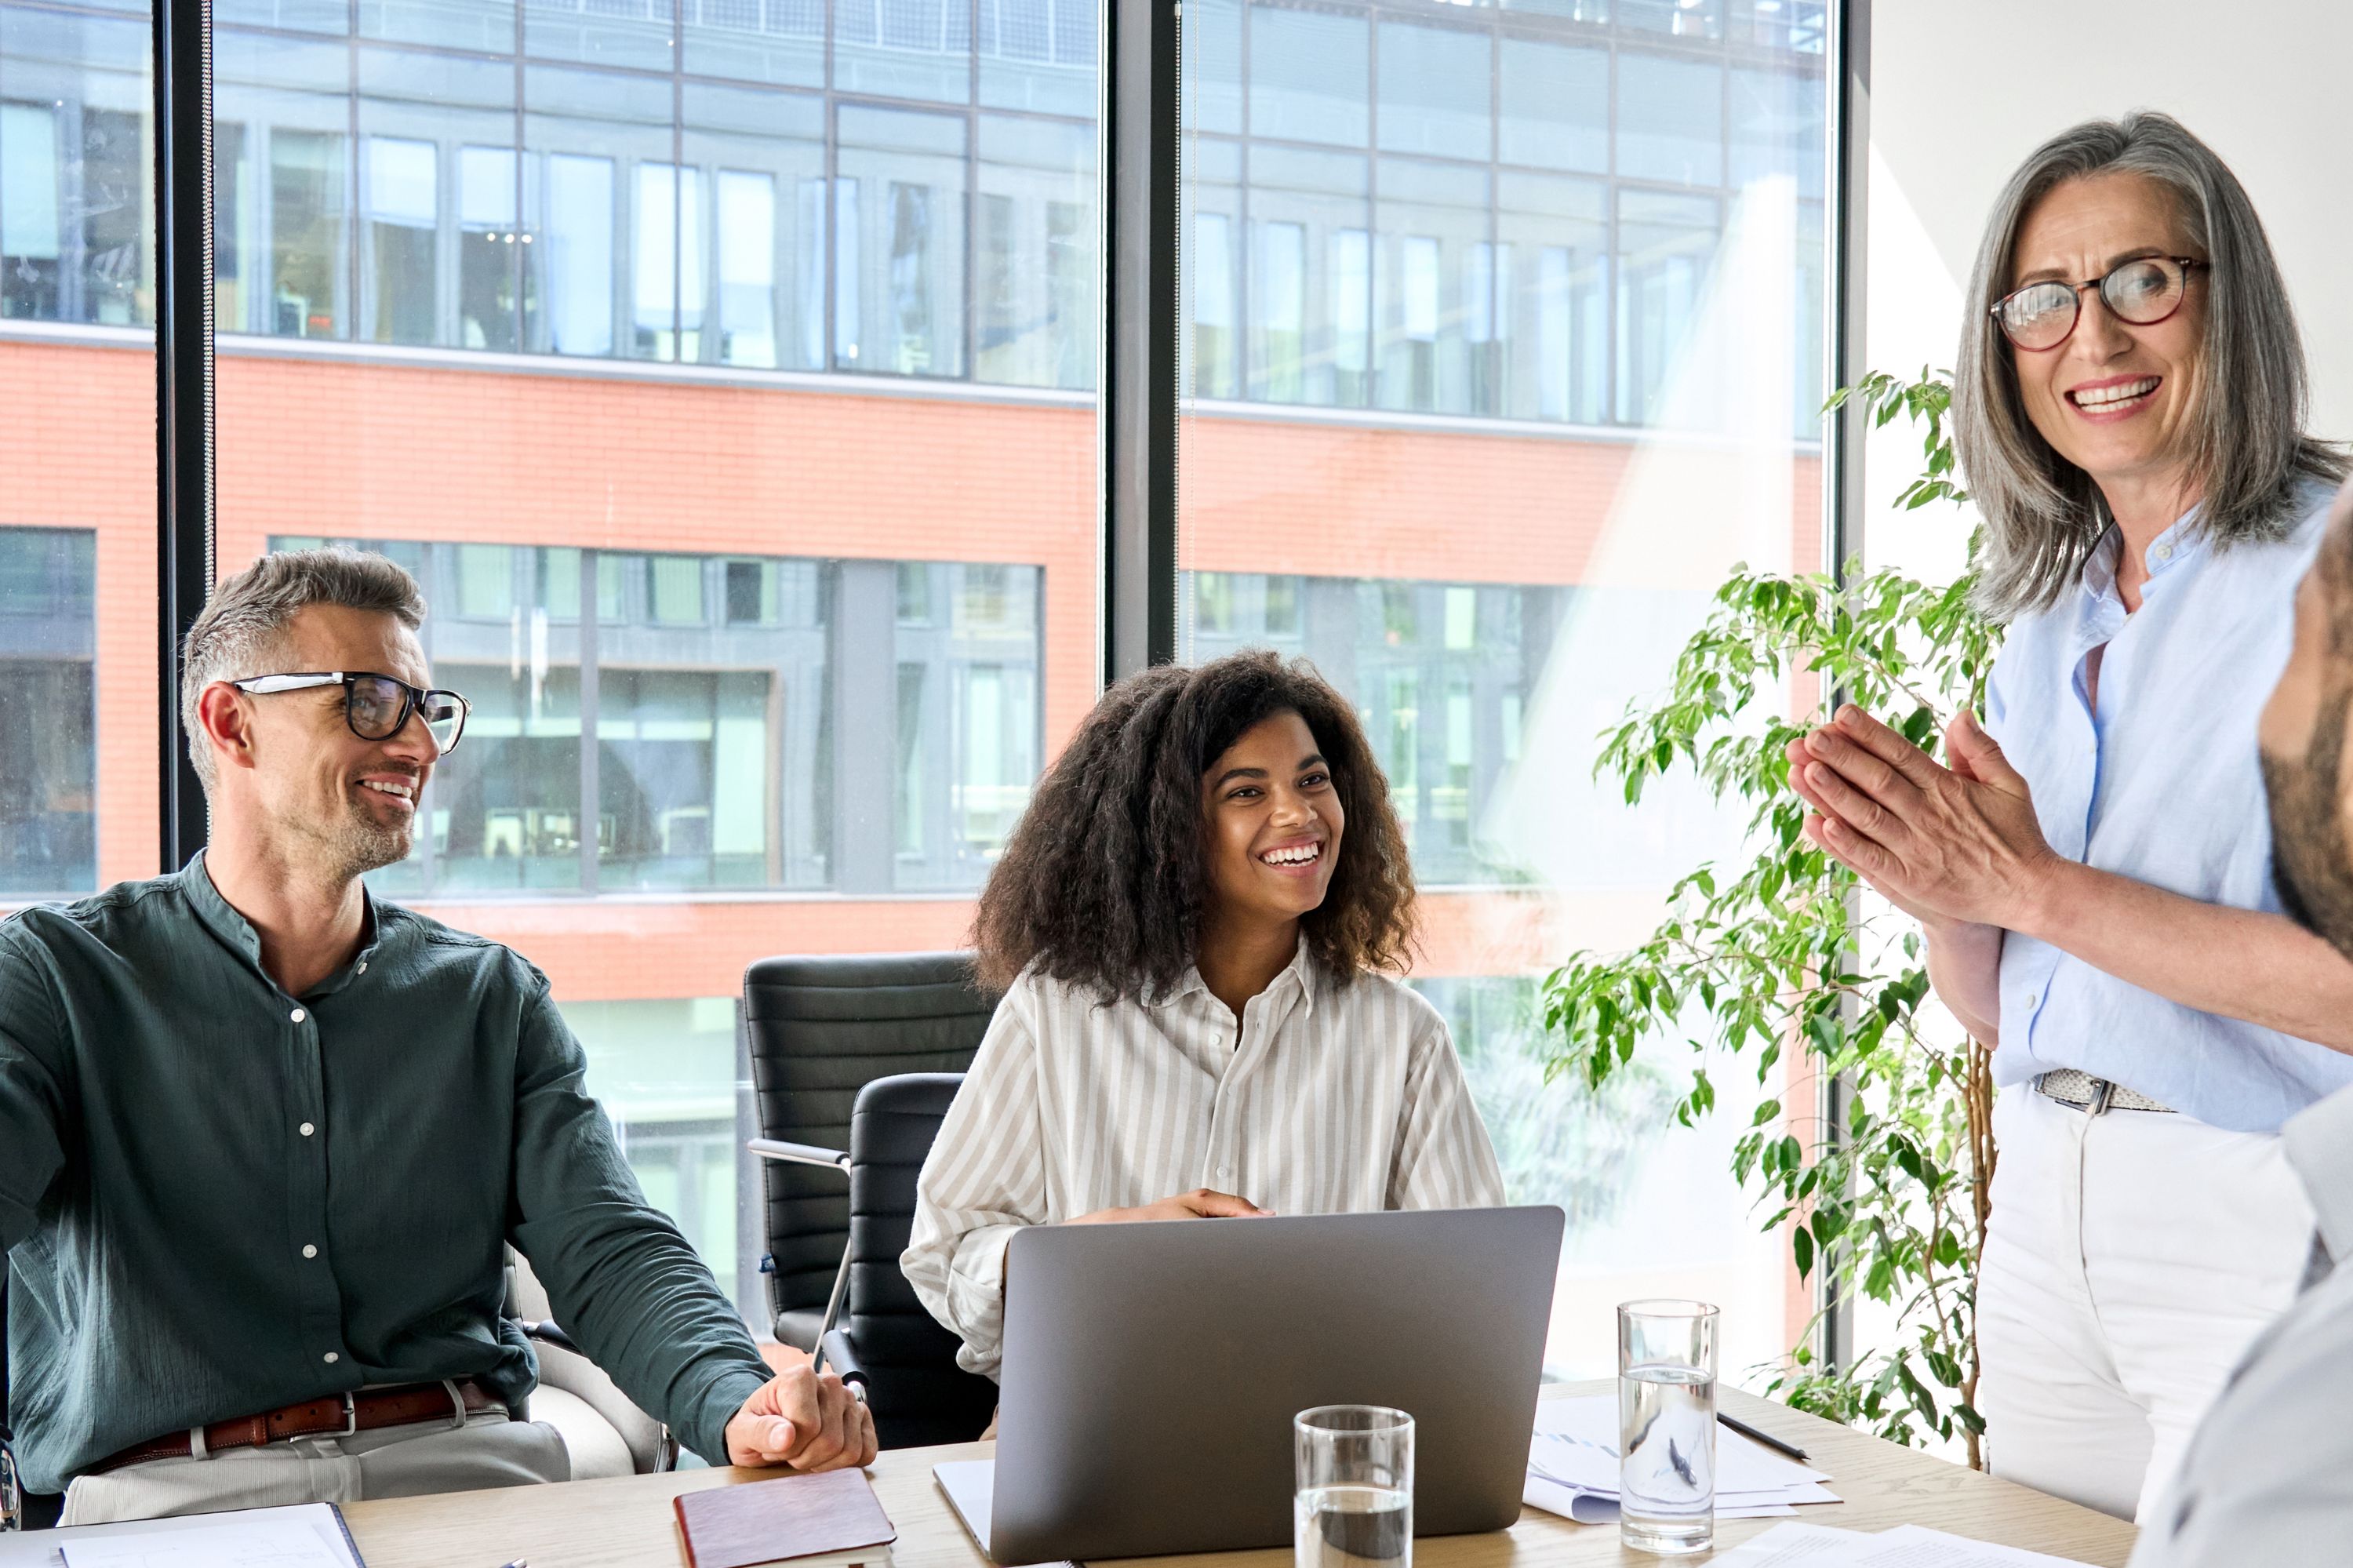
(2093, 1095)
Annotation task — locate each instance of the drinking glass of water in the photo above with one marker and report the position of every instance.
(1666, 1426)
(1354, 1508)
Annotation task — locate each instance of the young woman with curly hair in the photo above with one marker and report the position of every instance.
(1195, 927)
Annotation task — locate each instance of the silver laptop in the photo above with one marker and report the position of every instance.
(1151, 1371)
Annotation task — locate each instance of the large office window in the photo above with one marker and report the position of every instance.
(726, 373)
(671, 352)
(1549, 277)
(78, 688)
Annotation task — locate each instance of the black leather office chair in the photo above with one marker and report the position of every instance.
(821, 1028)
(874, 1330)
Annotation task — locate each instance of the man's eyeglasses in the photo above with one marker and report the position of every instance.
(2143, 292)
(377, 706)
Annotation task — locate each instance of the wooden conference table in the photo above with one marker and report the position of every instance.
(628, 1523)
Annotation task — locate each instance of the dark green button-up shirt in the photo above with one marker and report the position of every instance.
(218, 1199)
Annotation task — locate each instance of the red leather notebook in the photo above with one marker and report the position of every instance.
(812, 1521)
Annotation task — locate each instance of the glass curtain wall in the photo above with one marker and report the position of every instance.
(562, 182)
(726, 377)
(725, 371)
(78, 688)
(1501, 342)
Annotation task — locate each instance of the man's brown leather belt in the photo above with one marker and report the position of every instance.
(339, 1417)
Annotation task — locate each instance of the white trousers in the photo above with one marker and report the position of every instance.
(2129, 1260)
(390, 1462)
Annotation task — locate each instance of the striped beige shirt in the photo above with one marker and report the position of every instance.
(1333, 1099)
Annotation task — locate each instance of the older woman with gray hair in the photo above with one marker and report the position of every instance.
(2093, 869)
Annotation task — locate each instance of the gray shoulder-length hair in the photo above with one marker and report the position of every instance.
(2247, 442)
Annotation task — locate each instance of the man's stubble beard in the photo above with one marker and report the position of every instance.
(358, 844)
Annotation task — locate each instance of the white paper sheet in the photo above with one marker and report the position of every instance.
(1916, 1546)
(309, 1536)
(1794, 1546)
(1595, 1508)
(1908, 1546)
(1572, 1468)
(1577, 1443)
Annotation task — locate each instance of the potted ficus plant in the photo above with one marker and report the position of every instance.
(1780, 953)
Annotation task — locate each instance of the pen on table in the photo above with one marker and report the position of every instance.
(520, 1562)
(1746, 1431)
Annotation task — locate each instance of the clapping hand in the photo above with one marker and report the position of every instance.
(1946, 845)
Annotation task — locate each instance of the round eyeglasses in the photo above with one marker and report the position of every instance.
(377, 706)
(2143, 292)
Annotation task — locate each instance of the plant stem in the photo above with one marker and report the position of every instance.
(1977, 1097)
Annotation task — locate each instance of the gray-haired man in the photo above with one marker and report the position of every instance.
(264, 1136)
(2268, 1477)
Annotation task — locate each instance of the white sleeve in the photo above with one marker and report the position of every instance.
(2268, 1476)
(983, 1181)
(1444, 1160)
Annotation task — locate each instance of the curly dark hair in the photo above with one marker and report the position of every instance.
(1104, 881)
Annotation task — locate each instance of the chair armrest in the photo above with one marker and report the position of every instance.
(548, 1333)
(777, 1150)
(653, 1447)
(836, 1356)
(11, 1497)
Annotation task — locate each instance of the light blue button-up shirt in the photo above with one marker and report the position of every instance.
(2162, 785)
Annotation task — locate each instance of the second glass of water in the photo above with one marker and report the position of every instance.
(1353, 1507)
(1666, 1426)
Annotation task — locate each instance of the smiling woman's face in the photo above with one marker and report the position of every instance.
(2115, 400)
(1274, 823)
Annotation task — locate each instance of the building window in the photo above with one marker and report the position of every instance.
(404, 222)
(48, 822)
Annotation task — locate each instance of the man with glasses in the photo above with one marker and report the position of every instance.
(264, 1137)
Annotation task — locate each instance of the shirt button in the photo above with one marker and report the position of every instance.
(1225, 1169)
(2031, 1000)
(362, 966)
(331, 1358)
(308, 1129)
(2165, 552)
(312, 1252)
(298, 1015)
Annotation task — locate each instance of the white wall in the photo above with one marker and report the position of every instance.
(1960, 92)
